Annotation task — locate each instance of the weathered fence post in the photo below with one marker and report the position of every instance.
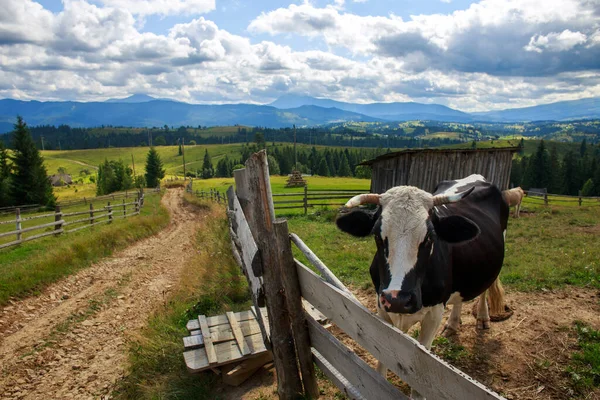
(137, 205)
(254, 193)
(57, 218)
(124, 209)
(110, 214)
(580, 199)
(305, 199)
(18, 227)
(291, 285)
(281, 285)
(545, 199)
(91, 214)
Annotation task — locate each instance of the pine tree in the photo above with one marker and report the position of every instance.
(323, 170)
(273, 166)
(344, 167)
(555, 181)
(207, 167)
(569, 172)
(154, 168)
(30, 183)
(5, 188)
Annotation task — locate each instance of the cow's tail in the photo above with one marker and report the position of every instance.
(496, 299)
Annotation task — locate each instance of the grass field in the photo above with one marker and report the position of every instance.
(29, 267)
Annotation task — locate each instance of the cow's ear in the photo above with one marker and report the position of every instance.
(455, 229)
(357, 222)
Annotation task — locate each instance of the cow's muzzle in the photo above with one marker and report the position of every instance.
(401, 302)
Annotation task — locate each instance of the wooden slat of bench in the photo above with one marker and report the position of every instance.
(219, 320)
(193, 342)
(196, 360)
(208, 344)
(237, 332)
(221, 333)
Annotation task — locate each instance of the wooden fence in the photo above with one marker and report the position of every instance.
(68, 222)
(314, 198)
(262, 246)
(539, 196)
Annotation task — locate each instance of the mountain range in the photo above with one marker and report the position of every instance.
(142, 110)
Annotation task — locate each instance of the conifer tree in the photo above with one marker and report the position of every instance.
(154, 168)
(30, 183)
(5, 189)
(344, 167)
(323, 169)
(207, 167)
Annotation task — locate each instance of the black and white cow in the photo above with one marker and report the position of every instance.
(432, 250)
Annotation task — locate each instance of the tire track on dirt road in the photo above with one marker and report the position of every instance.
(71, 340)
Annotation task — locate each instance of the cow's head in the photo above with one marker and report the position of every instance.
(406, 228)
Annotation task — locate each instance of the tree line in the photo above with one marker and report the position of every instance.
(65, 137)
(575, 171)
(116, 175)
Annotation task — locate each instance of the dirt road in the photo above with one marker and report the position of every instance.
(70, 341)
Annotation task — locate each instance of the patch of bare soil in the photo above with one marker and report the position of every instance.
(71, 341)
(523, 357)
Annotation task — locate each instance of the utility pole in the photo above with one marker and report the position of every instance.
(183, 155)
(133, 163)
(42, 143)
(295, 156)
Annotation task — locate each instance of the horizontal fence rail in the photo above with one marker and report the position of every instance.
(544, 198)
(68, 222)
(307, 199)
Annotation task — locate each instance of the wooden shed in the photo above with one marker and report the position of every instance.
(425, 168)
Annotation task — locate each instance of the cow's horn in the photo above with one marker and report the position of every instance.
(367, 198)
(452, 198)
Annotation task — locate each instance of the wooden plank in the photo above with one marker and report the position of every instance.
(338, 379)
(367, 381)
(193, 325)
(196, 360)
(313, 312)
(254, 193)
(262, 315)
(246, 369)
(412, 362)
(293, 299)
(193, 342)
(195, 332)
(318, 264)
(208, 344)
(222, 319)
(237, 332)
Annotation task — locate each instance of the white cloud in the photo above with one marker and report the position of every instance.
(472, 59)
(162, 7)
(553, 41)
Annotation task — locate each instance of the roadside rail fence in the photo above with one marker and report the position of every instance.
(68, 222)
(209, 194)
(541, 196)
(261, 245)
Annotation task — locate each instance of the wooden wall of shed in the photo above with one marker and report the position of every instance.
(425, 170)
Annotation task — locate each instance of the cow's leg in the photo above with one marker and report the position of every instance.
(483, 315)
(430, 325)
(454, 321)
(382, 369)
(518, 209)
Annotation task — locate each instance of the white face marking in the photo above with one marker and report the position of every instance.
(462, 182)
(404, 216)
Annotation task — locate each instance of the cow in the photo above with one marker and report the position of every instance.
(432, 250)
(514, 197)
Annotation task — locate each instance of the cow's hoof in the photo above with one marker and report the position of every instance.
(449, 331)
(483, 323)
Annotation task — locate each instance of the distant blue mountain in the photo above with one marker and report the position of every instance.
(161, 112)
(563, 110)
(142, 110)
(136, 98)
(387, 111)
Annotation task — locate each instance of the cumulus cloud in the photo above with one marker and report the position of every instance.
(493, 54)
(162, 7)
(499, 37)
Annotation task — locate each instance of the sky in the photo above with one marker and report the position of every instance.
(472, 56)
